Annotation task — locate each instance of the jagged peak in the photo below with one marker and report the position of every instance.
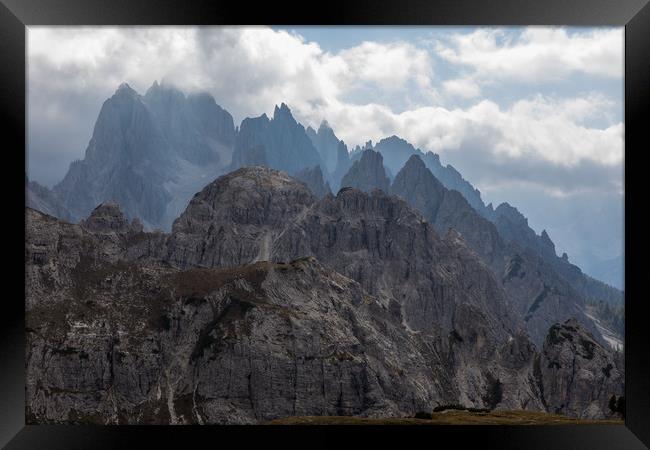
(282, 111)
(394, 139)
(414, 162)
(108, 217)
(324, 125)
(370, 154)
(164, 88)
(124, 88)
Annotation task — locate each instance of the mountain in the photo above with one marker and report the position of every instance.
(283, 142)
(534, 289)
(265, 302)
(511, 225)
(333, 152)
(396, 151)
(343, 164)
(367, 173)
(326, 143)
(314, 180)
(150, 154)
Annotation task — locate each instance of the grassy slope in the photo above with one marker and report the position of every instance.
(449, 418)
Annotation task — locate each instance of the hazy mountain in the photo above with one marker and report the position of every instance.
(367, 173)
(43, 199)
(150, 154)
(326, 143)
(284, 141)
(397, 151)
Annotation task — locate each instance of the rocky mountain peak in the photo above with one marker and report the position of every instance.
(415, 163)
(367, 173)
(325, 127)
(125, 90)
(283, 113)
(107, 218)
(232, 221)
(286, 144)
(546, 239)
(506, 211)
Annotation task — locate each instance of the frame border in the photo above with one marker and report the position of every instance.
(16, 15)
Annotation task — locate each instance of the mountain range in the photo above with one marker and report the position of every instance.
(182, 250)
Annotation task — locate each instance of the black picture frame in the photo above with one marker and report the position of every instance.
(16, 15)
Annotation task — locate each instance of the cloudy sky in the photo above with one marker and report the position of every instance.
(532, 116)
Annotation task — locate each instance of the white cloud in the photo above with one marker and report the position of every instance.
(538, 54)
(462, 87)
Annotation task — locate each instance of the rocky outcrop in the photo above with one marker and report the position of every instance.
(313, 178)
(367, 173)
(235, 219)
(573, 364)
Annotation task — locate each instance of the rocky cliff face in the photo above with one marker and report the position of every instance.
(367, 173)
(264, 302)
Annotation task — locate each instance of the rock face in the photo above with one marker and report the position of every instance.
(313, 178)
(447, 209)
(537, 293)
(572, 364)
(264, 302)
(150, 154)
(284, 141)
(367, 173)
(235, 219)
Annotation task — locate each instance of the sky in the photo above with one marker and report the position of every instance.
(529, 115)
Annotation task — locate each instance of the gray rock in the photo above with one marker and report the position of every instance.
(125, 327)
(576, 371)
(367, 173)
(313, 178)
